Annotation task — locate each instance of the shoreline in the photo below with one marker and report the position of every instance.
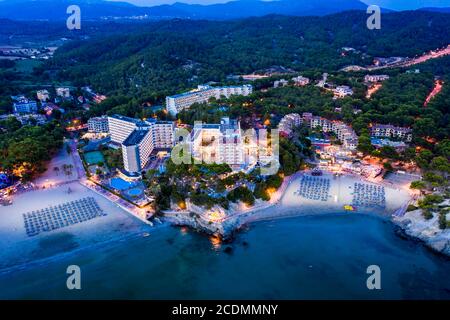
(277, 209)
(398, 230)
(284, 204)
(121, 225)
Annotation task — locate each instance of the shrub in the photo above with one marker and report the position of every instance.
(427, 214)
(442, 221)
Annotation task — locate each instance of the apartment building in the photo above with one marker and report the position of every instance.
(177, 103)
(98, 125)
(289, 122)
(390, 131)
(376, 77)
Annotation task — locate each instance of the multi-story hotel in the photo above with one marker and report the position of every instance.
(227, 143)
(120, 127)
(163, 134)
(98, 125)
(390, 131)
(177, 103)
(345, 134)
(323, 123)
(136, 149)
(218, 143)
(139, 138)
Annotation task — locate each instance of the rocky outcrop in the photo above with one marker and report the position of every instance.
(414, 225)
(224, 230)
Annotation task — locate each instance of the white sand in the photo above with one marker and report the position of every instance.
(17, 247)
(54, 177)
(340, 194)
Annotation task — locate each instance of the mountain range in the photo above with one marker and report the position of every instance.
(52, 10)
(98, 9)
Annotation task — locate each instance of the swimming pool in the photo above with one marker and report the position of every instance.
(93, 157)
(120, 184)
(135, 192)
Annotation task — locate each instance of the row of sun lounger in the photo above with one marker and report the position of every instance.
(60, 216)
(314, 188)
(369, 195)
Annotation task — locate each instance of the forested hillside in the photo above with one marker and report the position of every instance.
(160, 58)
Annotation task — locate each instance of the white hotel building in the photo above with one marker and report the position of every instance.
(177, 103)
(98, 125)
(139, 138)
(227, 143)
(218, 143)
(136, 150)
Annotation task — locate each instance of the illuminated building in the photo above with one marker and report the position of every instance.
(177, 103)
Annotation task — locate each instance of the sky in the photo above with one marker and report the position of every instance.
(390, 4)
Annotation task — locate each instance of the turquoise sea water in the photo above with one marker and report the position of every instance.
(309, 257)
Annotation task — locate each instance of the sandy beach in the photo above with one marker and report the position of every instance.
(340, 194)
(16, 247)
